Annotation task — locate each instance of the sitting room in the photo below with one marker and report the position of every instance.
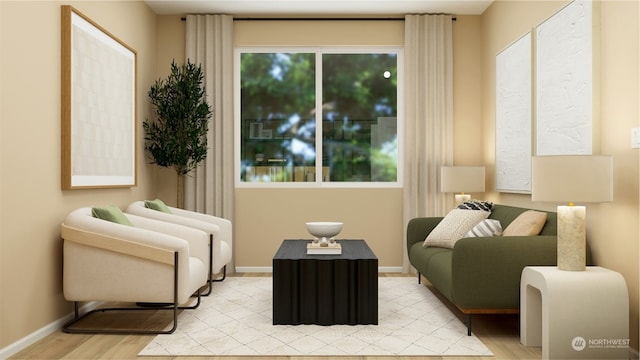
(349, 112)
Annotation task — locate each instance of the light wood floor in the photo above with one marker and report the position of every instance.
(500, 333)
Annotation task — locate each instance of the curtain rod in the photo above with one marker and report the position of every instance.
(318, 19)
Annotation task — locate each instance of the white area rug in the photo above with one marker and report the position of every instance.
(236, 320)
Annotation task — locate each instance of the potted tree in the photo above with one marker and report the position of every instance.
(177, 137)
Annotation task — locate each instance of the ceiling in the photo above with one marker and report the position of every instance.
(318, 7)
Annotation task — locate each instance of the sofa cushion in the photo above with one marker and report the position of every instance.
(454, 226)
(158, 205)
(421, 256)
(111, 213)
(506, 214)
(487, 227)
(528, 223)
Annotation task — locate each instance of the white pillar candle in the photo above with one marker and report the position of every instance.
(571, 238)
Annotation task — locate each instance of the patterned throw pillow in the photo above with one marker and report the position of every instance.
(453, 227)
(476, 205)
(487, 227)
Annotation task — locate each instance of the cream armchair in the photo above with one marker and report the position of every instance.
(220, 230)
(151, 262)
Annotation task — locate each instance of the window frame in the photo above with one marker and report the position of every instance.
(319, 51)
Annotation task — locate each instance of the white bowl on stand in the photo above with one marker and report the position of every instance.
(324, 231)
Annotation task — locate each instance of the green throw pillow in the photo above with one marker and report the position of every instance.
(157, 204)
(111, 213)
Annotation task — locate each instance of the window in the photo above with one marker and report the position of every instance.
(286, 99)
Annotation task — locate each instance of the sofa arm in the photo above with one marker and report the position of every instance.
(419, 228)
(486, 270)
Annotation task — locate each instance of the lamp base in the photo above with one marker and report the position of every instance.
(460, 198)
(571, 238)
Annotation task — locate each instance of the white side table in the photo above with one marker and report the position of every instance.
(574, 314)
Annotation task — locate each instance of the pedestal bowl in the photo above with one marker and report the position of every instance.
(324, 231)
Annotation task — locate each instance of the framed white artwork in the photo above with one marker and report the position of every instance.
(98, 106)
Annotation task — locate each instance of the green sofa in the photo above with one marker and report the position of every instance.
(481, 275)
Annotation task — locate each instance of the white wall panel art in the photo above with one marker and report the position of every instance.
(513, 117)
(564, 82)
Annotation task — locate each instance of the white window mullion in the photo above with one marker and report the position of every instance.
(319, 116)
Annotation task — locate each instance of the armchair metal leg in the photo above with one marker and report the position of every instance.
(198, 296)
(68, 327)
(211, 280)
(224, 274)
(210, 277)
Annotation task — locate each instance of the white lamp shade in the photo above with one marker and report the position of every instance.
(572, 178)
(457, 179)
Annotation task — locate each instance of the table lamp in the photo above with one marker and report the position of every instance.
(462, 180)
(572, 179)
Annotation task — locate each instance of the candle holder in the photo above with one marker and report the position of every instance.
(572, 240)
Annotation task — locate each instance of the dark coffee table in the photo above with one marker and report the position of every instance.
(325, 289)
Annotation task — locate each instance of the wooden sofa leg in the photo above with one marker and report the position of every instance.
(419, 278)
(469, 325)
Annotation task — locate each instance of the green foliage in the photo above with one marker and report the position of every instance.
(354, 85)
(277, 85)
(384, 162)
(178, 136)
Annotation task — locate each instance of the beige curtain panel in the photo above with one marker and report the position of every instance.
(209, 189)
(209, 42)
(428, 122)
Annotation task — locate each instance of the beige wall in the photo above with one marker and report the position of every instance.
(467, 91)
(263, 217)
(170, 36)
(612, 228)
(32, 204)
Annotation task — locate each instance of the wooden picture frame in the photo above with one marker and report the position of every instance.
(99, 106)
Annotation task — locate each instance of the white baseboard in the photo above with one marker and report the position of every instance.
(43, 332)
(254, 269)
(269, 269)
